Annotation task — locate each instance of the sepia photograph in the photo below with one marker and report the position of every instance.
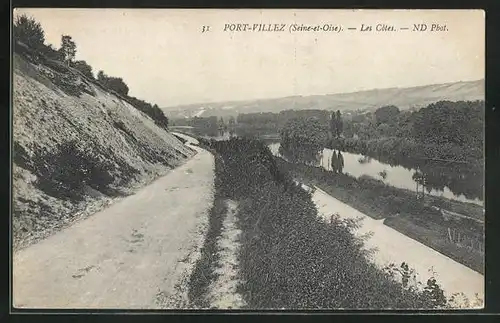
(247, 159)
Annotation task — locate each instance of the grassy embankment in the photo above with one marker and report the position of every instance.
(403, 212)
(289, 257)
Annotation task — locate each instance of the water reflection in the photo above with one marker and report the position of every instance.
(426, 179)
(364, 160)
(335, 162)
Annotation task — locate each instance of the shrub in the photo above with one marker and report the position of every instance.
(65, 172)
(303, 134)
(114, 83)
(153, 111)
(84, 68)
(71, 168)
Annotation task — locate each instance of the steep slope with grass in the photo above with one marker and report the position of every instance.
(77, 147)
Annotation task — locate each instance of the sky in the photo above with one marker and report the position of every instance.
(164, 57)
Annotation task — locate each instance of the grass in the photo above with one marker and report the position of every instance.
(145, 151)
(438, 241)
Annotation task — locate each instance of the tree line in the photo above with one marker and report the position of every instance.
(442, 123)
(443, 129)
(30, 33)
(443, 140)
(270, 120)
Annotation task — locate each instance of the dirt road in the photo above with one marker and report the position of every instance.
(125, 255)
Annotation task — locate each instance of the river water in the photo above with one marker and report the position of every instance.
(358, 165)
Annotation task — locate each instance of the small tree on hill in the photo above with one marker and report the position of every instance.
(101, 76)
(68, 49)
(84, 68)
(29, 31)
(159, 116)
(115, 83)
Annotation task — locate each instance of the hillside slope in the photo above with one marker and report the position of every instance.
(77, 147)
(404, 98)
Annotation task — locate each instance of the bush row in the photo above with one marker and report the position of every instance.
(289, 258)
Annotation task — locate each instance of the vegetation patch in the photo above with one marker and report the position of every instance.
(145, 151)
(64, 172)
(289, 257)
(437, 239)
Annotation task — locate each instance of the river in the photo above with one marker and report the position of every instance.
(358, 165)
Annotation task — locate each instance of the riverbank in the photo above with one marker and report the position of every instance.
(459, 168)
(402, 211)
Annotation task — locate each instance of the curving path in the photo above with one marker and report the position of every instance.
(126, 255)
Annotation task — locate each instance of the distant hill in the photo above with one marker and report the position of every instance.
(404, 98)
